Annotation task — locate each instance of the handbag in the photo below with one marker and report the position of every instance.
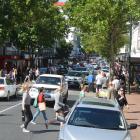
(42, 106)
(35, 104)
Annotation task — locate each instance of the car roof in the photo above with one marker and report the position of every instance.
(100, 103)
(52, 75)
(78, 71)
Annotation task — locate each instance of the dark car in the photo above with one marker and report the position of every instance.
(62, 71)
(43, 70)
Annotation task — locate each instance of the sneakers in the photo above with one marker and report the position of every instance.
(25, 130)
(32, 122)
(21, 126)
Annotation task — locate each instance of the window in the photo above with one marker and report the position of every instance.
(9, 81)
(48, 80)
(98, 118)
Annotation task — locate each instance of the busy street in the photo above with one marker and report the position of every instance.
(10, 121)
(70, 69)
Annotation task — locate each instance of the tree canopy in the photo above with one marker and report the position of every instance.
(102, 23)
(31, 22)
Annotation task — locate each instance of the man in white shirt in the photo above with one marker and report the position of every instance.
(116, 85)
(98, 81)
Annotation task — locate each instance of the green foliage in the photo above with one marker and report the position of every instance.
(31, 22)
(102, 23)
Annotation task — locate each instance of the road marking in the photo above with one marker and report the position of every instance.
(10, 108)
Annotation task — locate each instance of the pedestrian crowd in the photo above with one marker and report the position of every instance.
(40, 105)
(105, 87)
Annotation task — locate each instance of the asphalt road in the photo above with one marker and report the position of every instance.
(10, 121)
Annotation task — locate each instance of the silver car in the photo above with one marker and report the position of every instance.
(75, 78)
(95, 119)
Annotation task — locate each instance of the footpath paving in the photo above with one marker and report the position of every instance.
(133, 113)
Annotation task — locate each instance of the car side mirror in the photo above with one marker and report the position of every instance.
(132, 126)
(61, 119)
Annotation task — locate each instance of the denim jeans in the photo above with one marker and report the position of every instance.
(37, 114)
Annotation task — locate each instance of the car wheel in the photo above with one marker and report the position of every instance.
(8, 96)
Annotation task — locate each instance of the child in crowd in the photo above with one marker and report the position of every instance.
(83, 91)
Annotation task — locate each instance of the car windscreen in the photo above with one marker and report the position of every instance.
(97, 118)
(1, 81)
(76, 74)
(48, 80)
(81, 69)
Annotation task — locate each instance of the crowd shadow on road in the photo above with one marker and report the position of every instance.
(131, 119)
(4, 115)
(133, 111)
(12, 99)
(74, 88)
(132, 104)
(43, 131)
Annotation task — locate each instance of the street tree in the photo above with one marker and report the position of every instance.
(31, 23)
(102, 23)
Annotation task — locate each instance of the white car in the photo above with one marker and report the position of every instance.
(8, 88)
(50, 82)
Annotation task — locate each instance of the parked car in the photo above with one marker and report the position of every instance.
(50, 82)
(95, 118)
(8, 88)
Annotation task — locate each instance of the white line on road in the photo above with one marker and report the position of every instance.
(9, 108)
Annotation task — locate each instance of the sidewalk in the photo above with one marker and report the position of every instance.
(133, 113)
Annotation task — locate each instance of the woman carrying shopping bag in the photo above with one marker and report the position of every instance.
(41, 107)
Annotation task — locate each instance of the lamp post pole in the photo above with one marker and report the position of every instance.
(129, 56)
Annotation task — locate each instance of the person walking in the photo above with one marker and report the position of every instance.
(122, 101)
(58, 105)
(98, 81)
(26, 99)
(41, 107)
(116, 85)
(90, 80)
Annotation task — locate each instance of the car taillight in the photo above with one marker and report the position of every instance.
(1, 88)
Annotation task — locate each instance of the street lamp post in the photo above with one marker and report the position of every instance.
(129, 55)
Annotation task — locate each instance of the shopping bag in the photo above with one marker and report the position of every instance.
(35, 104)
(42, 106)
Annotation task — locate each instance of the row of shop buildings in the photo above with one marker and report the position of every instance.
(132, 63)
